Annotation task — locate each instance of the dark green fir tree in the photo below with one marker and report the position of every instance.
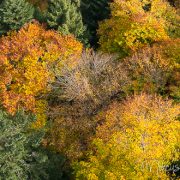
(21, 154)
(94, 11)
(19, 157)
(65, 16)
(14, 14)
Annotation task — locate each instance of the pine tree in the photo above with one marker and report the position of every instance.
(94, 11)
(19, 157)
(64, 16)
(14, 14)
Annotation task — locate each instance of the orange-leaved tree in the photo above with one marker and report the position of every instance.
(28, 59)
(137, 140)
(134, 24)
(155, 69)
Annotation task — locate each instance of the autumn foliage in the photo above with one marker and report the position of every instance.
(28, 59)
(106, 113)
(134, 24)
(77, 95)
(155, 69)
(137, 139)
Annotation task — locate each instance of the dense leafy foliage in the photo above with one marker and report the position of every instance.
(27, 62)
(134, 24)
(107, 113)
(155, 69)
(136, 141)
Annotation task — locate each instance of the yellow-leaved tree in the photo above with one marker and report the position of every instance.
(134, 24)
(136, 141)
(28, 59)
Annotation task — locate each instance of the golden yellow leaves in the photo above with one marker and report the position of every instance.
(138, 138)
(135, 24)
(40, 111)
(27, 61)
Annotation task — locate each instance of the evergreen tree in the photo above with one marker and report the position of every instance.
(19, 157)
(41, 4)
(94, 11)
(14, 14)
(40, 9)
(64, 16)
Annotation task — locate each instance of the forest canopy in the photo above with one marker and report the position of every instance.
(89, 89)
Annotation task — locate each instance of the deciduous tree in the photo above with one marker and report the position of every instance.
(77, 95)
(136, 140)
(134, 24)
(28, 59)
(155, 69)
(42, 4)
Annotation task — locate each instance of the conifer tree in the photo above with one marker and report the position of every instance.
(94, 11)
(41, 4)
(64, 16)
(19, 157)
(14, 14)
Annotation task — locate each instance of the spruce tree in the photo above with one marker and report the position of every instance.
(14, 14)
(19, 154)
(41, 4)
(65, 16)
(94, 11)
